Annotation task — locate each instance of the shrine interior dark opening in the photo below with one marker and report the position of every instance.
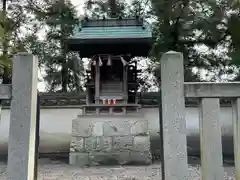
(111, 72)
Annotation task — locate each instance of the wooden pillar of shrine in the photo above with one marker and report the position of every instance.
(97, 82)
(87, 96)
(125, 85)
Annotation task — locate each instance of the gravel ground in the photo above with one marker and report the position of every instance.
(59, 170)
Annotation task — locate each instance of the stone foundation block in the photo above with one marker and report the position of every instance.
(122, 157)
(116, 127)
(77, 144)
(79, 159)
(101, 158)
(106, 144)
(92, 144)
(107, 140)
(81, 129)
(109, 126)
(141, 143)
(97, 129)
(103, 144)
(123, 143)
(141, 157)
(139, 127)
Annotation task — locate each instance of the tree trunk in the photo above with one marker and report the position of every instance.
(113, 8)
(167, 26)
(6, 79)
(64, 71)
(64, 80)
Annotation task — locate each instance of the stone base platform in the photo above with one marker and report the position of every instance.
(109, 140)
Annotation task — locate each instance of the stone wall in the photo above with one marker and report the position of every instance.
(114, 140)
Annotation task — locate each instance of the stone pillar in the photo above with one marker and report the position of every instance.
(173, 116)
(97, 82)
(236, 136)
(210, 139)
(22, 133)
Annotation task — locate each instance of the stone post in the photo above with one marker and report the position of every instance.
(22, 133)
(236, 136)
(210, 139)
(173, 116)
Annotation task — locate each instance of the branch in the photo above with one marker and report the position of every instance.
(205, 41)
(2, 24)
(175, 31)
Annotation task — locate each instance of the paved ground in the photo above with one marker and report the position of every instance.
(60, 170)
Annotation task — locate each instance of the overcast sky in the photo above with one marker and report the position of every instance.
(79, 4)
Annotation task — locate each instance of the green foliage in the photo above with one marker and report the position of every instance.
(12, 18)
(180, 26)
(185, 25)
(109, 8)
(60, 19)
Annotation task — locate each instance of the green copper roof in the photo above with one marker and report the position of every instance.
(111, 29)
(112, 32)
(111, 36)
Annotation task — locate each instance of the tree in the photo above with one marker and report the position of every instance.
(63, 68)
(108, 8)
(185, 26)
(5, 32)
(12, 17)
(189, 26)
(233, 40)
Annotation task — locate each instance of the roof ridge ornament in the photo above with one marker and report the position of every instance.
(100, 61)
(109, 62)
(123, 61)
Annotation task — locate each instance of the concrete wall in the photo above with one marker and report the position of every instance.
(56, 126)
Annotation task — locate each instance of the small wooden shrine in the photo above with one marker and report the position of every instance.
(111, 77)
(111, 125)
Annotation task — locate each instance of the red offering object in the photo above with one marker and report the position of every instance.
(104, 101)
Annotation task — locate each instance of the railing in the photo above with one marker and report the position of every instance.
(145, 98)
(173, 125)
(210, 127)
(76, 98)
(103, 110)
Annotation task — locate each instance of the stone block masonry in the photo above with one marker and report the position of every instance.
(109, 140)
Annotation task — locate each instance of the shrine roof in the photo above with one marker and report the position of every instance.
(110, 32)
(92, 33)
(111, 29)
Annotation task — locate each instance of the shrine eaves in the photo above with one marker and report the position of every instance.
(111, 36)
